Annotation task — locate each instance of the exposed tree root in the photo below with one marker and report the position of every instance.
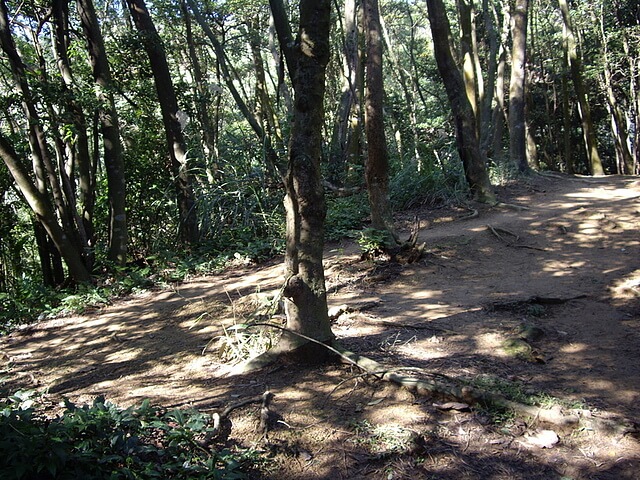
(535, 300)
(500, 235)
(450, 389)
(443, 387)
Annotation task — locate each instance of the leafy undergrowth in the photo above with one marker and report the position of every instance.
(103, 441)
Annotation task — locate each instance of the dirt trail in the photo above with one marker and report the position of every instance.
(566, 268)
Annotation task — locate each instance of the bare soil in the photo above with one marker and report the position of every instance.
(545, 299)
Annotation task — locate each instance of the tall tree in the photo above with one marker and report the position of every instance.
(464, 118)
(271, 155)
(41, 207)
(167, 99)
(574, 61)
(64, 235)
(345, 139)
(202, 96)
(377, 164)
(306, 57)
(110, 129)
(517, 120)
(78, 145)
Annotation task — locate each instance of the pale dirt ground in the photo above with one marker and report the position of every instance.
(568, 265)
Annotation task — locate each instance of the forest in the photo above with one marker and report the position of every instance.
(319, 188)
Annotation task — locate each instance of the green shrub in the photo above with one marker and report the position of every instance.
(411, 188)
(103, 441)
(345, 214)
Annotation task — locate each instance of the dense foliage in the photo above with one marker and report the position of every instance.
(103, 441)
(235, 103)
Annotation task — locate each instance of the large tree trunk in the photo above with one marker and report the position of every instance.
(464, 118)
(108, 118)
(465, 15)
(305, 291)
(176, 144)
(575, 66)
(377, 166)
(517, 126)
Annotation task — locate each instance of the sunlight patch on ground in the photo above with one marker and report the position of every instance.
(561, 269)
(627, 287)
(574, 348)
(606, 194)
(427, 349)
(124, 355)
(426, 294)
(490, 341)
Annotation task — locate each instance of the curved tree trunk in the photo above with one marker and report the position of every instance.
(189, 233)
(43, 169)
(40, 205)
(203, 98)
(271, 154)
(78, 146)
(464, 117)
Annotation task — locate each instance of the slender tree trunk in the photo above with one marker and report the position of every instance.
(271, 155)
(305, 291)
(42, 166)
(618, 122)
(40, 205)
(345, 140)
(405, 84)
(176, 144)
(110, 130)
(79, 147)
(486, 126)
(499, 115)
(464, 118)
(517, 125)
(264, 106)
(575, 65)
(567, 142)
(203, 96)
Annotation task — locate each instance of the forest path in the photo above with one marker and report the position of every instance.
(567, 268)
